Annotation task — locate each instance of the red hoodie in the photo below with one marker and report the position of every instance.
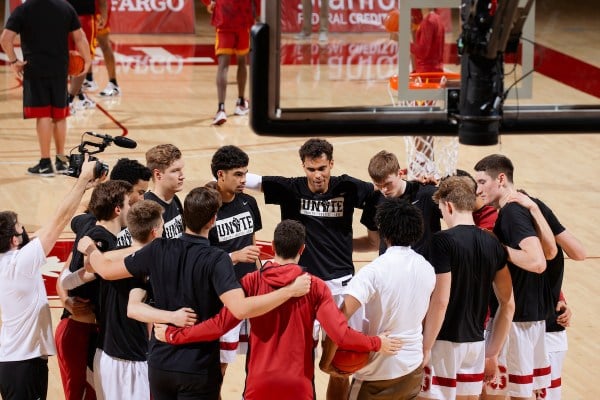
(280, 354)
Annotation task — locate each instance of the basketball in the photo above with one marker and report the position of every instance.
(390, 22)
(76, 63)
(350, 361)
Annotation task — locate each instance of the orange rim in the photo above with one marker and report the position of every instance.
(426, 80)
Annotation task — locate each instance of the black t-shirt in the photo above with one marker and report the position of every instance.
(120, 336)
(185, 272)
(44, 26)
(472, 256)
(84, 7)
(237, 221)
(327, 218)
(555, 268)
(173, 227)
(422, 197)
(532, 302)
(85, 225)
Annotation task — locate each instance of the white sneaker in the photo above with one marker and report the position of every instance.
(89, 86)
(85, 103)
(111, 90)
(323, 37)
(241, 108)
(220, 118)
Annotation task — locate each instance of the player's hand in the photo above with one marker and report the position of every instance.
(491, 369)
(211, 7)
(78, 306)
(185, 316)
(160, 332)
(86, 245)
(248, 254)
(522, 199)
(18, 68)
(389, 345)
(300, 286)
(564, 319)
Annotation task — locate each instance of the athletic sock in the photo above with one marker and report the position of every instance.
(221, 106)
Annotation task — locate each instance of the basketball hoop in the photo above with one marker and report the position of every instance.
(427, 156)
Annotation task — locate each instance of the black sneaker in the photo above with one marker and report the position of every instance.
(61, 165)
(43, 168)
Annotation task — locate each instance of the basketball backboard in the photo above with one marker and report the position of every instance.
(345, 85)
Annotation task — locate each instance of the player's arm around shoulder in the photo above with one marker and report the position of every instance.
(243, 307)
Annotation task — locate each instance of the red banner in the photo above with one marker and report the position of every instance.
(152, 16)
(346, 15)
(148, 16)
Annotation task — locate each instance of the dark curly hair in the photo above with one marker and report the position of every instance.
(228, 157)
(130, 171)
(400, 223)
(315, 148)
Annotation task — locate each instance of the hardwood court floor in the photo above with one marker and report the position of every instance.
(176, 102)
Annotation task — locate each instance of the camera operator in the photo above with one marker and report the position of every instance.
(26, 338)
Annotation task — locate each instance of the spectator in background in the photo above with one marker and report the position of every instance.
(307, 9)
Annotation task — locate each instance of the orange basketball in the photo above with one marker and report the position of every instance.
(76, 63)
(350, 361)
(390, 22)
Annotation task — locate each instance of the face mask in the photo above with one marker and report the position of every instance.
(24, 239)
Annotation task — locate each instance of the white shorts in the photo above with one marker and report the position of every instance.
(117, 379)
(235, 342)
(338, 290)
(454, 369)
(523, 362)
(557, 345)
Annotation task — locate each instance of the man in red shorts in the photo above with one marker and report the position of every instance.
(232, 20)
(44, 70)
(86, 10)
(102, 37)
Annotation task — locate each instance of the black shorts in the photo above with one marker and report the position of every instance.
(45, 98)
(24, 379)
(170, 385)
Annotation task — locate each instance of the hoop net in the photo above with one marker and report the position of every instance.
(427, 156)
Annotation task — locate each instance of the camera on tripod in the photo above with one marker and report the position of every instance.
(94, 143)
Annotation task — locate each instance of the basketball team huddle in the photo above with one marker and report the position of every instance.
(159, 294)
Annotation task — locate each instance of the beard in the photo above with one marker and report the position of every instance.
(24, 239)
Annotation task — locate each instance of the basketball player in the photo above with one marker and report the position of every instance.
(188, 272)
(120, 363)
(558, 320)
(527, 360)
(470, 265)
(86, 10)
(75, 333)
(237, 222)
(232, 19)
(325, 205)
(280, 361)
(394, 290)
(102, 36)
(166, 165)
(44, 71)
(26, 339)
(388, 178)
